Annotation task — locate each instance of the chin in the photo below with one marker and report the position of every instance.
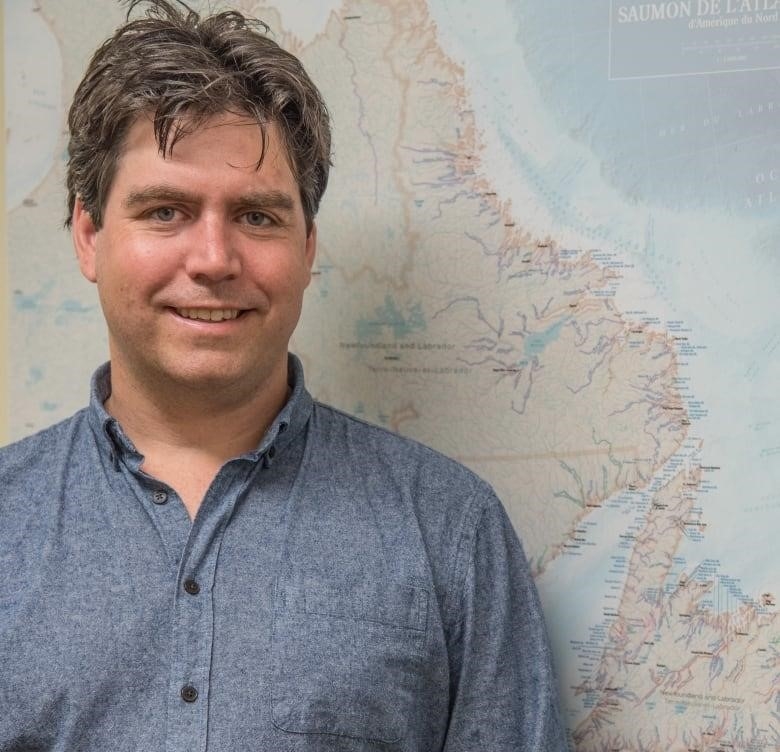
(221, 376)
(210, 378)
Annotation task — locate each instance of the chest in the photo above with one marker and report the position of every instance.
(293, 618)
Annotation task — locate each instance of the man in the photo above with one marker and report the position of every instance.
(205, 558)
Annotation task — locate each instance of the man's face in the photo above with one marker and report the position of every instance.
(202, 259)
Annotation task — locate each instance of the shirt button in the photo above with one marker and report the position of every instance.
(271, 452)
(189, 693)
(191, 587)
(160, 497)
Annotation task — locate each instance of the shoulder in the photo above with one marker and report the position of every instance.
(400, 478)
(33, 459)
(354, 441)
(420, 499)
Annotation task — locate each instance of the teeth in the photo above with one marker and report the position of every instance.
(208, 314)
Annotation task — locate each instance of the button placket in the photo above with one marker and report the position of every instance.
(193, 618)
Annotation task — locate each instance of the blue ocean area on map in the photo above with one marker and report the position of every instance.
(577, 595)
(547, 179)
(676, 141)
(665, 141)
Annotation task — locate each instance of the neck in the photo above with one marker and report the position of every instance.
(216, 422)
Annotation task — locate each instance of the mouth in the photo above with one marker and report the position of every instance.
(209, 314)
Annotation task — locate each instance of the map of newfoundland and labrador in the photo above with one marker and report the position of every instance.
(454, 313)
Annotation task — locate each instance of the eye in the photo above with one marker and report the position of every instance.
(256, 218)
(164, 214)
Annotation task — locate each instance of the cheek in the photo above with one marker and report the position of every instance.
(127, 274)
(280, 277)
(296, 285)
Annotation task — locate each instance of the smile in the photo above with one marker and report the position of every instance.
(208, 314)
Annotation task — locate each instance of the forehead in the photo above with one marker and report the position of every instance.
(226, 147)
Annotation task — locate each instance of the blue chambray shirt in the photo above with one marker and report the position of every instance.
(341, 588)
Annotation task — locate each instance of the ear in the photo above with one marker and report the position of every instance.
(84, 234)
(311, 248)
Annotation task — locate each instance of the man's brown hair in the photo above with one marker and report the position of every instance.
(181, 69)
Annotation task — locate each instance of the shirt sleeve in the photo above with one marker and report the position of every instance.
(503, 689)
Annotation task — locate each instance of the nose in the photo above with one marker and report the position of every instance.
(211, 255)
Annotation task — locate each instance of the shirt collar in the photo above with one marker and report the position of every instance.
(286, 427)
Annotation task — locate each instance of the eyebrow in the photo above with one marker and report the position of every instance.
(267, 200)
(155, 193)
(272, 199)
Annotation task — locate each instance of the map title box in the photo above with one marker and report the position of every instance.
(689, 37)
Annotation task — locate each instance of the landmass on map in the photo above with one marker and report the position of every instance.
(678, 671)
(513, 356)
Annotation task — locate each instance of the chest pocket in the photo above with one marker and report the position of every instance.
(347, 661)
